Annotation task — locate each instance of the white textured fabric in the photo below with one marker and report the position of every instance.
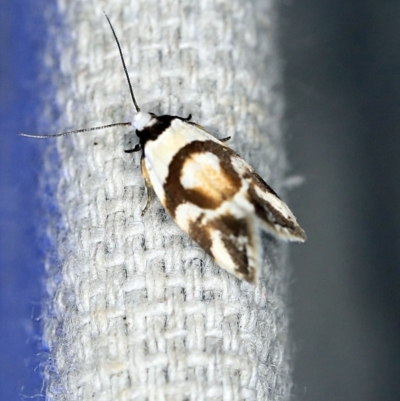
(137, 311)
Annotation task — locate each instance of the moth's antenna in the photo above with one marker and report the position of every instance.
(123, 64)
(103, 126)
(72, 132)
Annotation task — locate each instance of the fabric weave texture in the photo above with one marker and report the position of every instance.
(136, 310)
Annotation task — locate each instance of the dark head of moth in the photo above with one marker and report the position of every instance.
(209, 190)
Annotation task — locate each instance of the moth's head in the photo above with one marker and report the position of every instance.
(141, 120)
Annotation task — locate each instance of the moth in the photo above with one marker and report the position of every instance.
(213, 195)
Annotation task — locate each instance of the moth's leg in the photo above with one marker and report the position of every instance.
(225, 139)
(135, 149)
(188, 118)
(148, 186)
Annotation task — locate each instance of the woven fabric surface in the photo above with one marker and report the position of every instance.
(137, 311)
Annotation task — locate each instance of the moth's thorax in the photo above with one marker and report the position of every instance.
(141, 120)
(149, 126)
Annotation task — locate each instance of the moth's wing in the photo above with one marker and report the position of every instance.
(160, 153)
(192, 174)
(274, 214)
(233, 242)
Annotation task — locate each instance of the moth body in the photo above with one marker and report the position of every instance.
(211, 192)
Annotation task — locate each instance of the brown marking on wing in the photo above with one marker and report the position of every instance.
(200, 233)
(208, 195)
(233, 230)
(252, 176)
(271, 216)
(214, 185)
(237, 237)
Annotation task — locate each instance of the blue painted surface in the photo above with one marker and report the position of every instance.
(22, 39)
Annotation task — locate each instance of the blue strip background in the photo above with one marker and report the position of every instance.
(22, 39)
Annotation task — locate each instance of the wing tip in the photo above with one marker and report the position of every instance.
(297, 235)
(290, 234)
